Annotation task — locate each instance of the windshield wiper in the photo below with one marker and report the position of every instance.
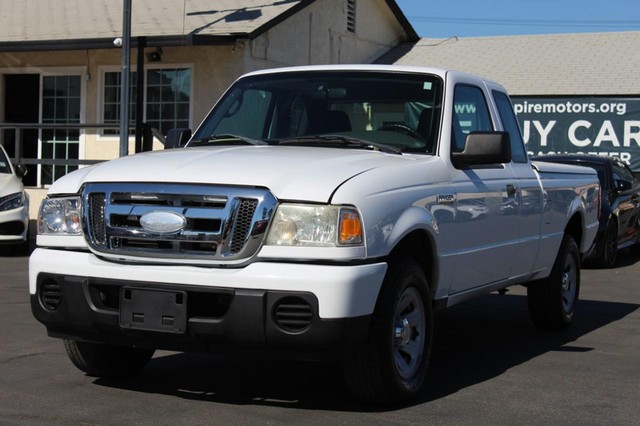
(340, 140)
(227, 139)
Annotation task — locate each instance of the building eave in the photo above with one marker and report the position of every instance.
(280, 18)
(412, 35)
(107, 43)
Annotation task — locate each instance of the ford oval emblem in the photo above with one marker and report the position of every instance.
(163, 222)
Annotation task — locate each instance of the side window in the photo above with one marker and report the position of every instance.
(622, 176)
(510, 124)
(470, 113)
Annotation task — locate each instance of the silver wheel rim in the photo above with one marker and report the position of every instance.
(409, 333)
(569, 282)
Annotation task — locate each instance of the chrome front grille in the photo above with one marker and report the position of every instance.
(225, 224)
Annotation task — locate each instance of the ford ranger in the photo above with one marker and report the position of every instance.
(317, 212)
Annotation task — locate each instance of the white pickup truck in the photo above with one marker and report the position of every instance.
(317, 212)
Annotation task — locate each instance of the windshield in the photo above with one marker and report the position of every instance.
(396, 111)
(4, 163)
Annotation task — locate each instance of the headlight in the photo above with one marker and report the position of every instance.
(315, 226)
(12, 201)
(60, 216)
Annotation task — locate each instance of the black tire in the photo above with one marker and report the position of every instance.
(608, 255)
(552, 301)
(100, 360)
(391, 365)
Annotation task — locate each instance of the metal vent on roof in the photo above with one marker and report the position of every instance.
(351, 16)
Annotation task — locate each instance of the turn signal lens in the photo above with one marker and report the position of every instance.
(350, 227)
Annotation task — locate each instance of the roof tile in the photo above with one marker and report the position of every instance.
(558, 64)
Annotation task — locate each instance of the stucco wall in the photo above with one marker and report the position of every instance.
(318, 35)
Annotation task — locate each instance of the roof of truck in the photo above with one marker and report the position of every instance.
(368, 67)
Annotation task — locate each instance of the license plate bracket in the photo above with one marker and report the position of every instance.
(153, 310)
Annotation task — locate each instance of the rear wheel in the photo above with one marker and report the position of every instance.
(100, 360)
(552, 301)
(392, 363)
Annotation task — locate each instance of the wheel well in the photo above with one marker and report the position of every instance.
(574, 228)
(417, 245)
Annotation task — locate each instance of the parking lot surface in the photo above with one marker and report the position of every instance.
(489, 366)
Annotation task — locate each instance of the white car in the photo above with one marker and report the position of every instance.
(14, 203)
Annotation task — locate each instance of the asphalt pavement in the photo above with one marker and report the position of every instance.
(490, 366)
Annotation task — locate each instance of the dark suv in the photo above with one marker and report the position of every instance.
(620, 216)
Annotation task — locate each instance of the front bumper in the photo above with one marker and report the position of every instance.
(303, 309)
(14, 225)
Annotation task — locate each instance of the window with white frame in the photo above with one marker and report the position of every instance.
(111, 101)
(61, 95)
(167, 98)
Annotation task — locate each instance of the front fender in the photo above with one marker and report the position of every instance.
(413, 219)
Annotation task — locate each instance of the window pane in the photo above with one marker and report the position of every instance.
(49, 87)
(60, 105)
(111, 101)
(48, 109)
(510, 124)
(168, 98)
(153, 77)
(74, 87)
(111, 79)
(61, 109)
(470, 114)
(62, 82)
(168, 95)
(153, 94)
(250, 117)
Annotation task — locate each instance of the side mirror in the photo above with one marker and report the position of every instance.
(177, 138)
(21, 170)
(484, 148)
(623, 185)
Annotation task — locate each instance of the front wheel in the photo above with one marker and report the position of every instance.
(101, 360)
(392, 363)
(552, 301)
(609, 246)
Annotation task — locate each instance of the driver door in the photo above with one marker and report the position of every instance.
(486, 214)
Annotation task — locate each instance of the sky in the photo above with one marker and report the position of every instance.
(478, 18)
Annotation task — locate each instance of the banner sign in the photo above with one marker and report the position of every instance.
(588, 125)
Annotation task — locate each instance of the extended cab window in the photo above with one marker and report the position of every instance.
(510, 125)
(470, 113)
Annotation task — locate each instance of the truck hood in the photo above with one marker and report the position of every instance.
(291, 173)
